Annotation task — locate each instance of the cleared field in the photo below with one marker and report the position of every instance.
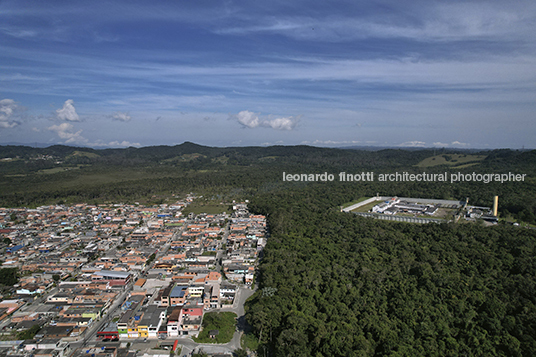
(348, 204)
(210, 208)
(367, 207)
(55, 170)
(268, 158)
(91, 155)
(184, 158)
(454, 160)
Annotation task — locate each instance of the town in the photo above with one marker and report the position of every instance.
(115, 277)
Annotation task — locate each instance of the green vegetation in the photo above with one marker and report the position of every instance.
(455, 160)
(147, 175)
(250, 341)
(366, 207)
(200, 354)
(29, 333)
(151, 258)
(240, 353)
(184, 158)
(348, 204)
(198, 207)
(342, 285)
(224, 322)
(77, 153)
(8, 276)
(55, 170)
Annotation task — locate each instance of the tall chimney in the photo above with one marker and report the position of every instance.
(495, 205)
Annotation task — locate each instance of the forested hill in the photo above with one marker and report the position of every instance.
(189, 152)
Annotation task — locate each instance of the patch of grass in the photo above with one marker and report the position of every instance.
(361, 199)
(367, 207)
(454, 160)
(184, 158)
(268, 158)
(466, 165)
(90, 155)
(55, 170)
(224, 322)
(209, 208)
(220, 160)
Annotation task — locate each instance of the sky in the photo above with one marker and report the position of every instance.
(453, 74)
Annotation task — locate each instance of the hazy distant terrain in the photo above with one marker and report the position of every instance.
(32, 176)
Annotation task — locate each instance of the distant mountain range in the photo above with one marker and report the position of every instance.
(194, 156)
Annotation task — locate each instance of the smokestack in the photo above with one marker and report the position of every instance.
(495, 205)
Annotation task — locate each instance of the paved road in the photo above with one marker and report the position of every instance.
(91, 333)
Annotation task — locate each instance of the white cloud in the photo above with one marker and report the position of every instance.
(119, 116)
(331, 142)
(248, 119)
(7, 108)
(287, 123)
(457, 143)
(251, 120)
(413, 144)
(68, 112)
(116, 144)
(437, 143)
(65, 131)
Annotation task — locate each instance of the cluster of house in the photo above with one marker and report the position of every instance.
(154, 269)
(62, 239)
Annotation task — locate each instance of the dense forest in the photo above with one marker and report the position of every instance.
(335, 284)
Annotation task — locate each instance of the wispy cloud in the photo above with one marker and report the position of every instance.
(121, 116)
(440, 144)
(423, 22)
(252, 120)
(457, 143)
(123, 143)
(18, 32)
(68, 112)
(413, 144)
(331, 142)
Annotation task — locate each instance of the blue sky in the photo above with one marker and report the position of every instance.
(234, 73)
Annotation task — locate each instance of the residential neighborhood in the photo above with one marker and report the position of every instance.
(104, 276)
